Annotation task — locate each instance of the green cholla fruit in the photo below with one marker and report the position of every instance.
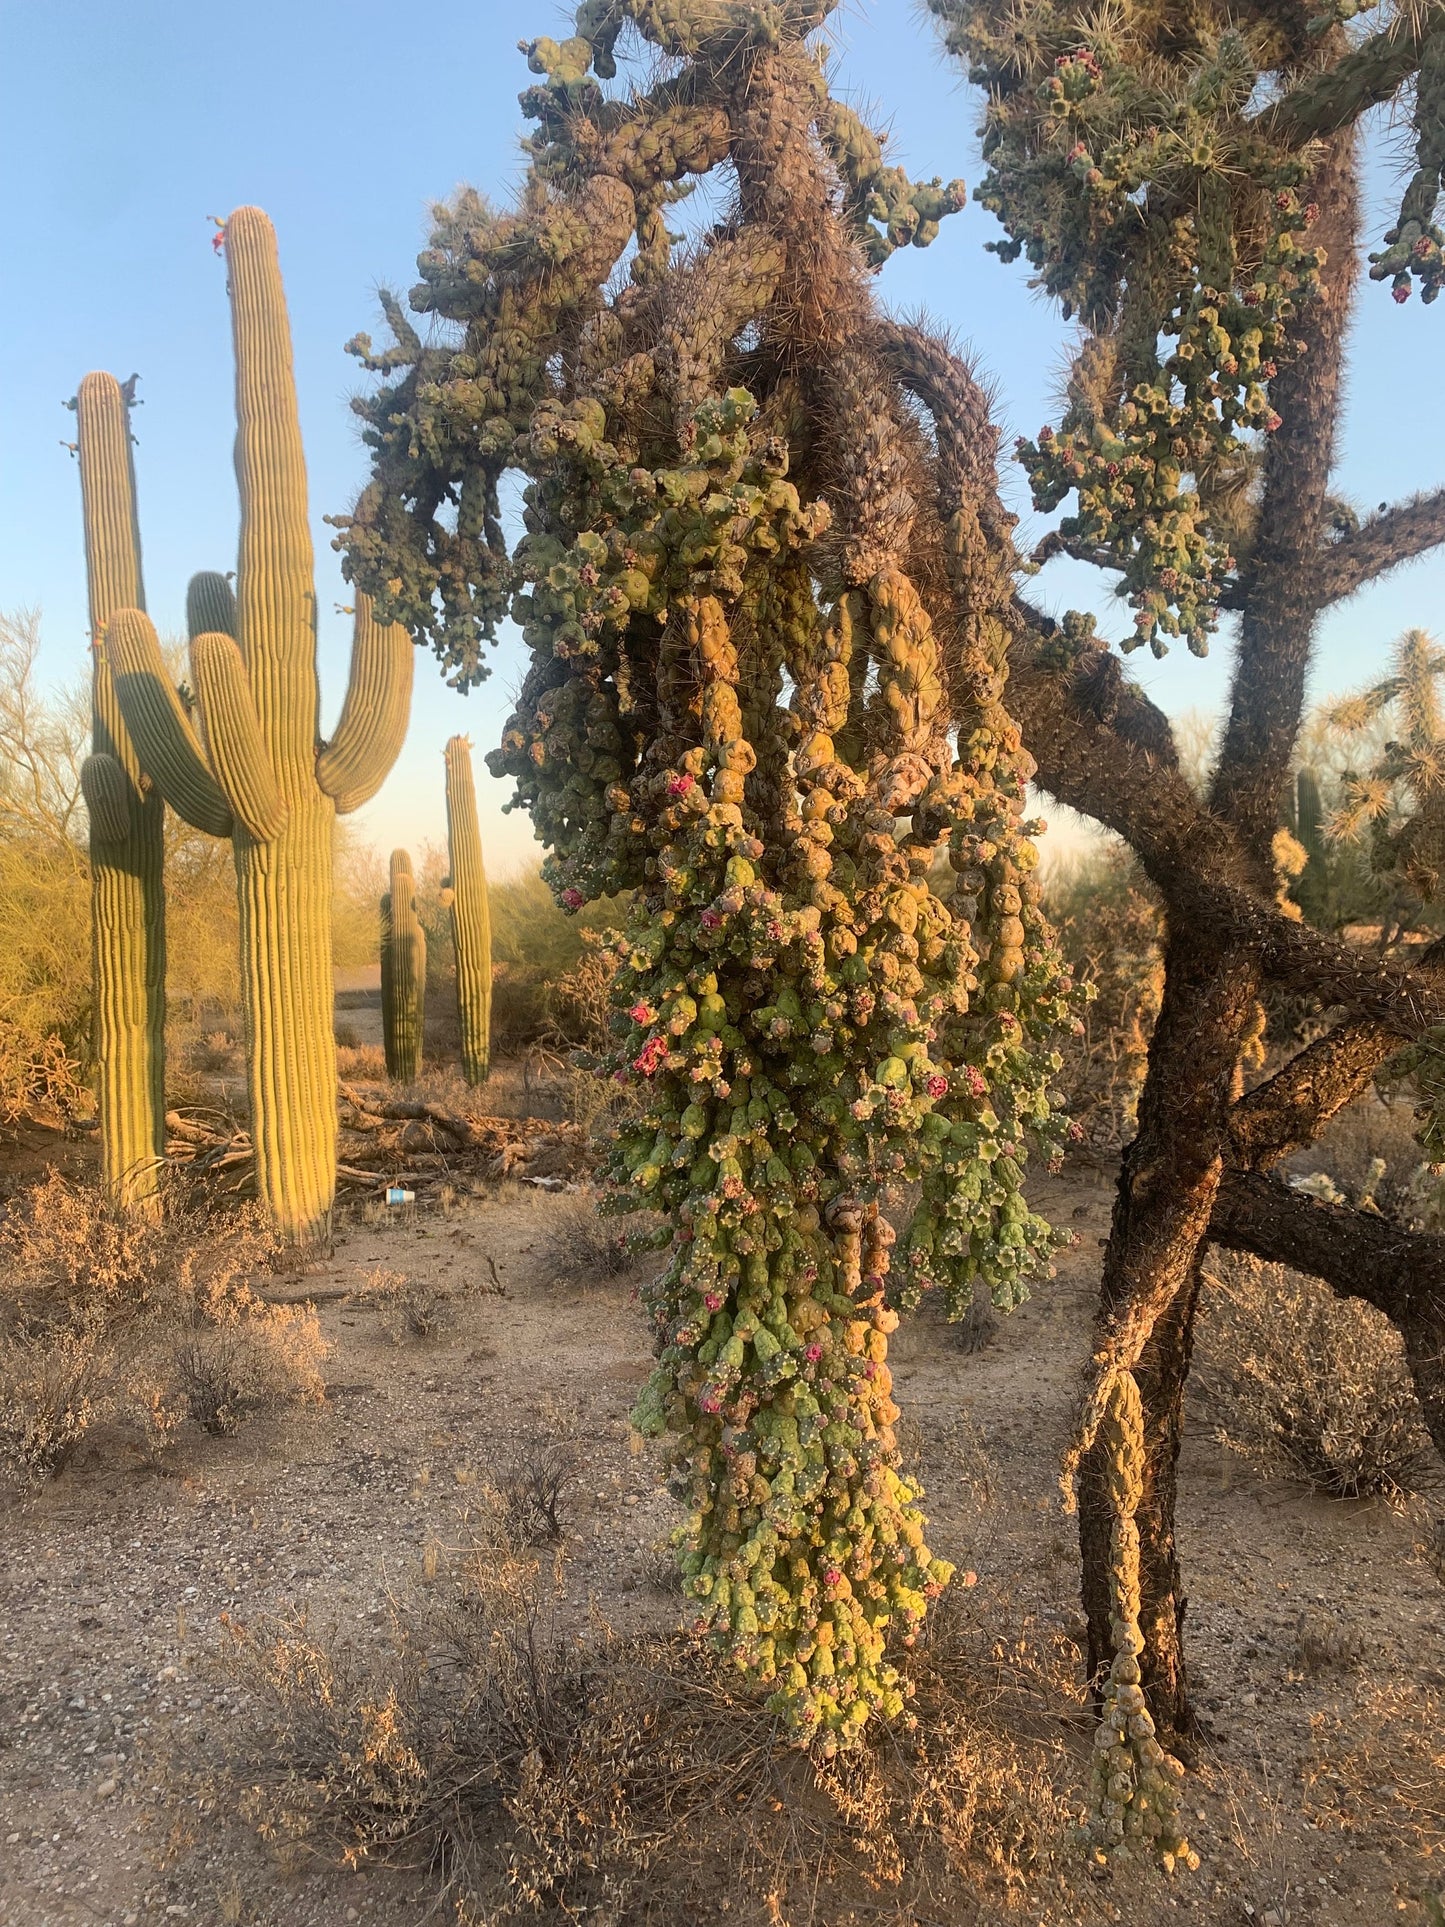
(127, 830)
(403, 973)
(256, 774)
(471, 913)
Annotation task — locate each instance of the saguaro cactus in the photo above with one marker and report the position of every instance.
(471, 913)
(258, 773)
(128, 916)
(403, 972)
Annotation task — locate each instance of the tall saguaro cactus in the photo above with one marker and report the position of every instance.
(471, 913)
(403, 973)
(257, 772)
(128, 917)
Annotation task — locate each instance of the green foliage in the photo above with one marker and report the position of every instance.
(741, 714)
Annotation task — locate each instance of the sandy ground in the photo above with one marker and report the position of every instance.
(114, 1583)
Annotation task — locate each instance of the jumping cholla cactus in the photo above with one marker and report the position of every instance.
(127, 826)
(403, 973)
(1126, 163)
(259, 776)
(466, 897)
(766, 697)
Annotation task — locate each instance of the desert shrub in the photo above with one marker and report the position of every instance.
(1298, 1380)
(529, 1768)
(108, 1323)
(1110, 928)
(579, 1246)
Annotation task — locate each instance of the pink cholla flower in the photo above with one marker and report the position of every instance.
(573, 899)
(650, 1056)
(937, 1086)
(813, 1354)
(710, 920)
(832, 1577)
(975, 1080)
(679, 785)
(713, 1301)
(640, 1014)
(1271, 422)
(709, 1402)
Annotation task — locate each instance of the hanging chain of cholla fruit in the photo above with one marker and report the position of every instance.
(1125, 163)
(1135, 1791)
(766, 698)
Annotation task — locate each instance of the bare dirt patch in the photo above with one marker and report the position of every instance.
(1317, 1627)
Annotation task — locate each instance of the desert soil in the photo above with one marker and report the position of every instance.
(115, 1581)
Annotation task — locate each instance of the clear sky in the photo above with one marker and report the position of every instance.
(126, 126)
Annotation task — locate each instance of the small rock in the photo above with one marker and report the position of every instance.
(105, 1789)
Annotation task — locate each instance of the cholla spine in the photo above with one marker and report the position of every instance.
(403, 973)
(127, 828)
(259, 776)
(470, 906)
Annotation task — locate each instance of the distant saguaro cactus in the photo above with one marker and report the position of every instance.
(403, 972)
(471, 913)
(260, 775)
(127, 830)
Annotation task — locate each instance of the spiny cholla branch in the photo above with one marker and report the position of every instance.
(1395, 535)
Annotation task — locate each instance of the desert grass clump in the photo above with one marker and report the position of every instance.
(528, 1763)
(1376, 1771)
(1302, 1382)
(116, 1329)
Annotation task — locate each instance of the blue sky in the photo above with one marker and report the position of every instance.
(125, 127)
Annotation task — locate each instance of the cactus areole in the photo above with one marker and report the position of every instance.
(255, 771)
(766, 697)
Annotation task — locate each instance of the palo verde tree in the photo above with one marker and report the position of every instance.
(767, 613)
(1186, 182)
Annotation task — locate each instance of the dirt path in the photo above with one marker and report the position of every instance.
(114, 1585)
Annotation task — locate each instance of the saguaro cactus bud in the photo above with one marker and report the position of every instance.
(471, 913)
(403, 973)
(255, 772)
(127, 831)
